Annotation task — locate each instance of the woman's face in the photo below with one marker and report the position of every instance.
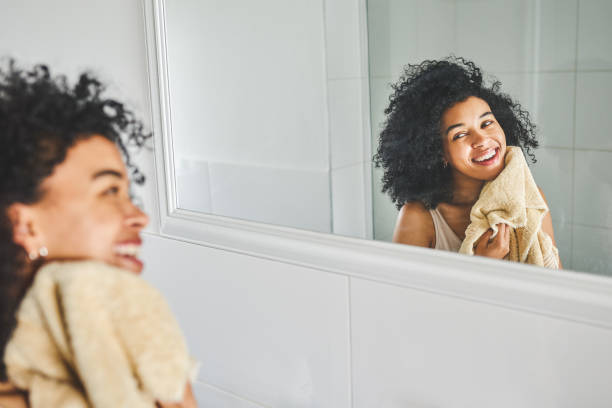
(86, 211)
(474, 142)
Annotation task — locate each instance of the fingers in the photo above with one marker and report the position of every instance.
(497, 247)
(483, 241)
(502, 241)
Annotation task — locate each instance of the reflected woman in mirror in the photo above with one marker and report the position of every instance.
(78, 327)
(452, 150)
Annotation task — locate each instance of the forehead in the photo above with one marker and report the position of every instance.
(83, 160)
(472, 106)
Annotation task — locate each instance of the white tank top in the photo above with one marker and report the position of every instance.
(446, 238)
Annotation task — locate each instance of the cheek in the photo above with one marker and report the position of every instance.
(501, 136)
(459, 153)
(84, 234)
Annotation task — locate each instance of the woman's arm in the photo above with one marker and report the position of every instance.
(188, 400)
(547, 226)
(11, 397)
(414, 226)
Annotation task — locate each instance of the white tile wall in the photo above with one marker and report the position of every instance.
(556, 34)
(193, 185)
(379, 37)
(594, 33)
(417, 349)
(593, 189)
(256, 88)
(69, 45)
(380, 90)
(520, 86)
(290, 197)
(345, 122)
(208, 396)
(554, 95)
(436, 28)
(402, 35)
(342, 32)
(564, 235)
(553, 172)
(496, 34)
(593, 107)
(348, 192)
(592, 250)
(270, 332)
(385, 213)
(408, 31)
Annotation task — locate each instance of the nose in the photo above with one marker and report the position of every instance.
(136, 218)
(478, 138)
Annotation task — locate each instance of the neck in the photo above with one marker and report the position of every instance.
(6, 388)
(465, 190)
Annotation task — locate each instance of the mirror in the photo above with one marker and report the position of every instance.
(255, 114)
(554, 58)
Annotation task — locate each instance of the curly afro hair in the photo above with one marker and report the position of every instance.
(410, 147)
(41, 117)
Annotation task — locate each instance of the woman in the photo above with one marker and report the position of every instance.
(445, 136)
(64, 191)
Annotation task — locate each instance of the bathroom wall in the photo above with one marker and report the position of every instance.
(555, 58)
(301, 161)
(271, 333)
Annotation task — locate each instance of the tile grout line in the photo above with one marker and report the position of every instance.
(573, 179)
(579, 149)
(350, 341)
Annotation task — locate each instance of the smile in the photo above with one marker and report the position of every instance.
(489, 157)
(131, 250)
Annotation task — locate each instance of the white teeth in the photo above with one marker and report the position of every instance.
(127, 249)
(486, 156)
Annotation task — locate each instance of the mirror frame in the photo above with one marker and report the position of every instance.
(568, 295)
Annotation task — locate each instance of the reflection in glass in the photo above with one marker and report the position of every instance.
(553, 58)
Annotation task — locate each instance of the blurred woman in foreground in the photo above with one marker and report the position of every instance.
(65, 200)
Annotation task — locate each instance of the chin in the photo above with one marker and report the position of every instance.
(129, 263)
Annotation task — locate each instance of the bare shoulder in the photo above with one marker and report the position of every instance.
(547, 225)
(542, 194)
(414, 226)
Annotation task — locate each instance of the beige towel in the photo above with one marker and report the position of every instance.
(92, 335)
(513, 198)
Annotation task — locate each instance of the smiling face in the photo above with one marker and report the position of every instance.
(86, 211)
(474, 142)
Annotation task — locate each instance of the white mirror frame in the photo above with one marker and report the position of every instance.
(562, 294)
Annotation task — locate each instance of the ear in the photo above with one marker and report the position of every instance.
(445, 159)
(22, 219)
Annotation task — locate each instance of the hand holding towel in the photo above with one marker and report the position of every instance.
(513, 198)
(92, 335)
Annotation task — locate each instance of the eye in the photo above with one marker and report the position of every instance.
(111, 191)
(459, 135)
(486, 123)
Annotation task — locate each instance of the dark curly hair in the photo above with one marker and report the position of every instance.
(41, 117)
(410, 147)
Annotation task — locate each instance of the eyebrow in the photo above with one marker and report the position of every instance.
(107, 172)
(451, 127)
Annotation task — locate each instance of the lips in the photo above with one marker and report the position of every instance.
(488, 157)
(128, 252)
